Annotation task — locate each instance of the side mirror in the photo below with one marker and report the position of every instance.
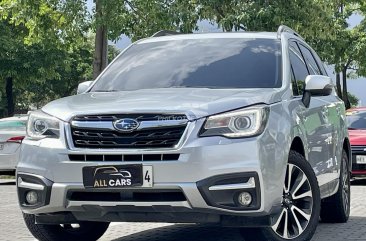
(84, 86)
(316, 85)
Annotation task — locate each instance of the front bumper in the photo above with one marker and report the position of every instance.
(201, 161)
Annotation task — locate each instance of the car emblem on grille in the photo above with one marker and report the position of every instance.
(126, 125)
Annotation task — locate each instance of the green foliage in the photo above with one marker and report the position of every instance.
(140, 18)
(308, 17)
(46, 45)
(353, 99)
(49, 22)
(44, 49)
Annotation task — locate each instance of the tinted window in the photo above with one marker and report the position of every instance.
(356, 120)
(16, 125)
(298, 65)
(212, 63)
(294, 83)
(310, 61)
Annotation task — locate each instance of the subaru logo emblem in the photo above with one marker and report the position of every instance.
(126, 125)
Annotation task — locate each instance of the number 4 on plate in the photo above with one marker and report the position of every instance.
(148, 176)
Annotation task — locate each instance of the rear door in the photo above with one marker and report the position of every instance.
(331, 112)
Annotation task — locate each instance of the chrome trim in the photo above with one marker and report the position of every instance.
(249, 184)
(143, 124)
(29, 185)
(72, 204)
(94, 124)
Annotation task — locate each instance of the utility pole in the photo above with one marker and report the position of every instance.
(101, 41)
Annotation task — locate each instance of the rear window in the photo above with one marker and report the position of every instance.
(196, 63)
(16, 125)
(356, 119)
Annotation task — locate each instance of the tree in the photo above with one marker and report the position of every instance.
(323, 24)
(345, 48)
(353, 100)
(21, 63)
(138, 19)
(36, 35)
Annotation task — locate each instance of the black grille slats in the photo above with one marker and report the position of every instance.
(123, 157)
(156, 137)
(138, 117)
(358, 149)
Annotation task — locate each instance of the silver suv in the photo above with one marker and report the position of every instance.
(235, 129)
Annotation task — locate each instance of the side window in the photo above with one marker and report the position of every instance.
(310, 61)
(295, 89)
(300, 72)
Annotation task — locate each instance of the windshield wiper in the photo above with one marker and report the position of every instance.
(105, 91)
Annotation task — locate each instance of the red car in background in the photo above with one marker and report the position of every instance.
(356, 119)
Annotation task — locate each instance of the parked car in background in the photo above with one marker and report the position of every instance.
(356, 119)
(12, 132)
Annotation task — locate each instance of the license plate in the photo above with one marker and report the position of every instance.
(118, 176)
(1, 147)
(361, 159)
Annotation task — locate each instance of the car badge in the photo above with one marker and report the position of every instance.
(126, 125)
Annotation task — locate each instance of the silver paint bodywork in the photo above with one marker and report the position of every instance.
(321, 128)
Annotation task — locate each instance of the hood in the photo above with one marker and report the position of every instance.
(357, 137)
(194, 102)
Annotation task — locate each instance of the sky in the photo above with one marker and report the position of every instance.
(355, 86)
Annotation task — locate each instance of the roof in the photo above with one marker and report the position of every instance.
(264, 35)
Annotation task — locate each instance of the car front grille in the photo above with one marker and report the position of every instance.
(358, 150)
(96, 135)
(128, 196)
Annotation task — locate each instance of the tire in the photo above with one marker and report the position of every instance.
(301, 192)
(336, 208)
(87, 231)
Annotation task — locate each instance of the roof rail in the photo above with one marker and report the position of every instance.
(164, 33)
(284, 28)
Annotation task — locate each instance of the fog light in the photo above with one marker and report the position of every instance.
(245, 198)
(31, 197)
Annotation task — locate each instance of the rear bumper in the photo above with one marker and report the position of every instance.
(358, 170)
(8, 162)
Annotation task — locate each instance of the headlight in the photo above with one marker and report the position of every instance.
(40, 125)
(235, 124)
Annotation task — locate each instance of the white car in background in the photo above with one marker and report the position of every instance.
(12, 132)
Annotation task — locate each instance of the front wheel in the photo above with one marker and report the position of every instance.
(299, 214)
(83, 231)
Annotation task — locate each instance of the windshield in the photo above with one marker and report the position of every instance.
(356, 120)
(13, 125)
(196, 63)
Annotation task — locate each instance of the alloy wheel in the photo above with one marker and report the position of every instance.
(297, 203)
(345, 186)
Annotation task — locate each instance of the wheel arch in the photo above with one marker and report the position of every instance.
(298, 146)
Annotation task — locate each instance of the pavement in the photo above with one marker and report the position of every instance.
(13, 228)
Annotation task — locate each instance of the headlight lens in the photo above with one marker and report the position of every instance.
(235, 124)
(40, 125)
